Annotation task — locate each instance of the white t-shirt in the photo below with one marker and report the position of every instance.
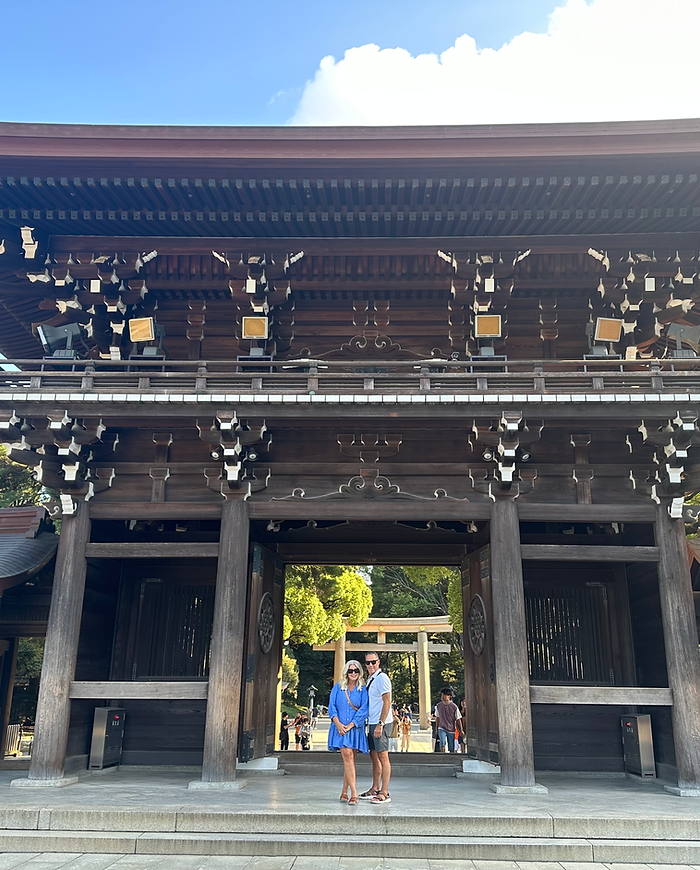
(380, 685)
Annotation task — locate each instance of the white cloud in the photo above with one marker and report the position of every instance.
(605, 60)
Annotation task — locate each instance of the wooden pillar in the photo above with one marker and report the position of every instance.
(423, 681)
(681, 645)
(339, 660)
(47, 766)
(8, 666)
(227, 650)
(515, 749)
(278, 707)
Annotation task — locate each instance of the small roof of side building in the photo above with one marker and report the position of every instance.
(28, 542)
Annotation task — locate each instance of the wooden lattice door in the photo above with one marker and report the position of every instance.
(479, 661)
(263, 654)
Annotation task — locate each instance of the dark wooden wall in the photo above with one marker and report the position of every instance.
(647, 632)
(94, 653)
(577, 737)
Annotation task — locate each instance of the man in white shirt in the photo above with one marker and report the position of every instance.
(379, 729)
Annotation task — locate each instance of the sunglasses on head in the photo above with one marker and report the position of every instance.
(353, 670)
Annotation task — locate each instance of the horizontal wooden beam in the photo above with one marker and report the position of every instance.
(130, 550)
(373, 246)
(146, 510)
(383, 647)
(587, 513)
(398, 509)
(402, 624)
(588, 553)
(376, 554)
(164, 690)
(601, 695)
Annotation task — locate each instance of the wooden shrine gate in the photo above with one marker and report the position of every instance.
(514, 637)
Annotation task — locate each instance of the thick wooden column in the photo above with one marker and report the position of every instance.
(227, 650)
(339, 658)
(681, 645)
(515, 749)
(423, 681)
(60, 654)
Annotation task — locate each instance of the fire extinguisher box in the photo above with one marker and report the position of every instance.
(107, 737)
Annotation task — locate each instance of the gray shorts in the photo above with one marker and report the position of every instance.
(378, 744)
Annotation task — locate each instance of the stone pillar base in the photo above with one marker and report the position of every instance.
(518, 789)
(44, 783)
(229, 785)
(682, 791)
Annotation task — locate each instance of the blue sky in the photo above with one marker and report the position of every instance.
(214, 61)
(363, 62)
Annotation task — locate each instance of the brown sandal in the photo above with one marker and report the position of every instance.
(381, 797)
(352, 802)
(343, 797)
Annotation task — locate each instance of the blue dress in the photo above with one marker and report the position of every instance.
(339, 706)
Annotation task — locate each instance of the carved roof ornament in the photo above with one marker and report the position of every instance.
(259, 280)
(368, 486)
(653, 293)
(669, 482)
(239, 445)
(369, 448)
(61, 450)
(507, 442)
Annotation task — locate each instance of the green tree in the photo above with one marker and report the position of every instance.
(18, 486)
(320, 599)
(415, 592)
(692, 528)
(290, 677)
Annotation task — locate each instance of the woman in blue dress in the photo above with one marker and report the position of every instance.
(347, 710)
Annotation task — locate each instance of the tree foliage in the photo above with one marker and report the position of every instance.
(319, 599)
(692, 528)
(290, 676)
(18, 486)
(430, 588)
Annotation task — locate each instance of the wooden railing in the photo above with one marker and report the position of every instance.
(219, 377)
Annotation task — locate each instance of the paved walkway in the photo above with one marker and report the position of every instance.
(67, 861)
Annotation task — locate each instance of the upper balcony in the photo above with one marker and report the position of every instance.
(356, 382)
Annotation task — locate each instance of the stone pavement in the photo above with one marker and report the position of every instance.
(70, 861)
(137, 817)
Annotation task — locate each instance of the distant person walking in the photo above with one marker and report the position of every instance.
(447, 715)
(405, 726)
(394, 734)
(462, 725)
(284, 732)
(379, 729)
(347, 710)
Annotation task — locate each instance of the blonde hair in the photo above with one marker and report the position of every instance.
(344, 678)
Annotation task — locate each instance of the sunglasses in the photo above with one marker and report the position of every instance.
(371, 661)
(353, 670)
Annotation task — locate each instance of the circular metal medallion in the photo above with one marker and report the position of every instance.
(477, 625)
(266, 623)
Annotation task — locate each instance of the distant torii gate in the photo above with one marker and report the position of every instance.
(422, 627)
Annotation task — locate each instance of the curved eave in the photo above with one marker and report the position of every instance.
(21, 557)
(349, 143)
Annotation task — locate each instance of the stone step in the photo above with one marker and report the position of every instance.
(331, 768)
(408, 764)
(540, 849)
(365, 820)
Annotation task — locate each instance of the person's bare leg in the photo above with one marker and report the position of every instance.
(376, 770)
(348, 756)
(385, 766)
